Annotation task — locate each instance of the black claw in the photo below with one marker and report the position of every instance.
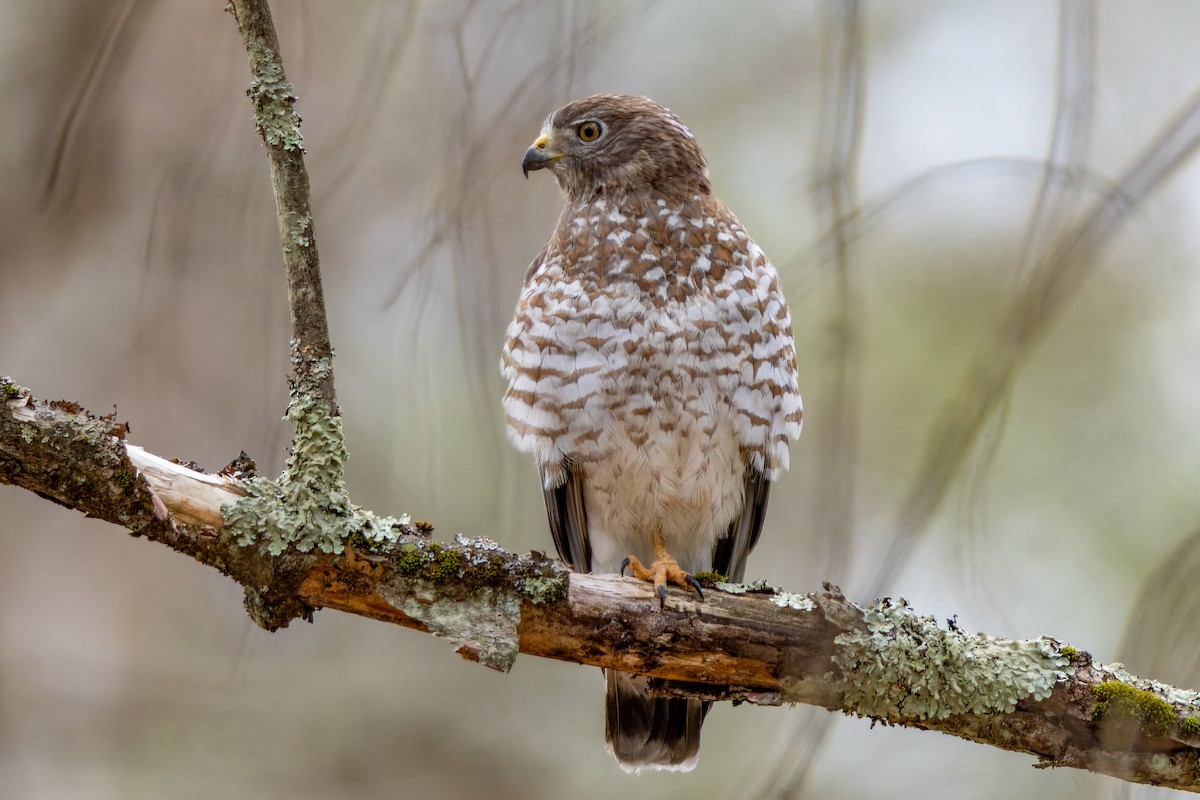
(662, 597)
(624, 564)
(695, 584)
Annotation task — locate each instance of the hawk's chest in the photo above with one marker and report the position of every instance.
(630, 328)
(641, 288)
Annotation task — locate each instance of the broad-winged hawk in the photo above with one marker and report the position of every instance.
(652, 374)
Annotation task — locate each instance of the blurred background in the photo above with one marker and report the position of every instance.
(985, 216)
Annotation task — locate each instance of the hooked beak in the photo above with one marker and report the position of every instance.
(539, 155)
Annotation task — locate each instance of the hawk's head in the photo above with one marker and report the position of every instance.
(614, 144)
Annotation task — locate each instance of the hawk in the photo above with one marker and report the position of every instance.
(652, 374)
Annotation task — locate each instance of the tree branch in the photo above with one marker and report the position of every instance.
(276, 120)
(752, 644)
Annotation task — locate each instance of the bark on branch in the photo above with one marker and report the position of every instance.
(752, 644)
(277, 122)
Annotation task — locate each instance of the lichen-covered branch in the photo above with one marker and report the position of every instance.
(743, 643)
(276, 120)
(306, 508)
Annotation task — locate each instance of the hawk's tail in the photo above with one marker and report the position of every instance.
(641, 730)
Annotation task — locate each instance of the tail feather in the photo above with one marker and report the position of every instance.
(643, 731)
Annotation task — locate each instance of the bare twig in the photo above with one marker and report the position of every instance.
(836, 198)
(835, 195)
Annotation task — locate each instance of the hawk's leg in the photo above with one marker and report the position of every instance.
(664, 570)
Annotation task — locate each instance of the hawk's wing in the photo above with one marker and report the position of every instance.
(568, 519)
(731, 550)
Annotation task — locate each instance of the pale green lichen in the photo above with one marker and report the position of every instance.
(906, 667)
(274, 116)
(545, 591)
(482, 627)
(800, 602)
(299, 231)
(308, 506)
(471, 592)
(759, 585)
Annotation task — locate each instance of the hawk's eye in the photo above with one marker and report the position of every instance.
(589, 131)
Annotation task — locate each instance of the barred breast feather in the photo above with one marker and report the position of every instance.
(639, 321)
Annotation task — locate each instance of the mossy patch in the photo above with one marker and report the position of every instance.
(903, 666)
(447, 565)
(1190, 726)
(1116, 701)
(411, 560)
(481, 563)
(709, 579)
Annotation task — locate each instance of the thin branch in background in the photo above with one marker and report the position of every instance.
(466, 198)
(836, 200)
(1060, 194)
(387, 44)
(1066, 160)
(1052, 282)
(883, 208)
(96, 70)
(460, 229)
(835, 196)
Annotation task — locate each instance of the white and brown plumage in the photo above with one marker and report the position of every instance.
(651, 371)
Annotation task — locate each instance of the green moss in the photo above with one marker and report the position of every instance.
(491, 571)
(1190, 726)
(10, 389)
(1120, 701)
(709, 579)
(901, 666)
(446, 566)
(124, 479)
(410, 561)
(1068, 651)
